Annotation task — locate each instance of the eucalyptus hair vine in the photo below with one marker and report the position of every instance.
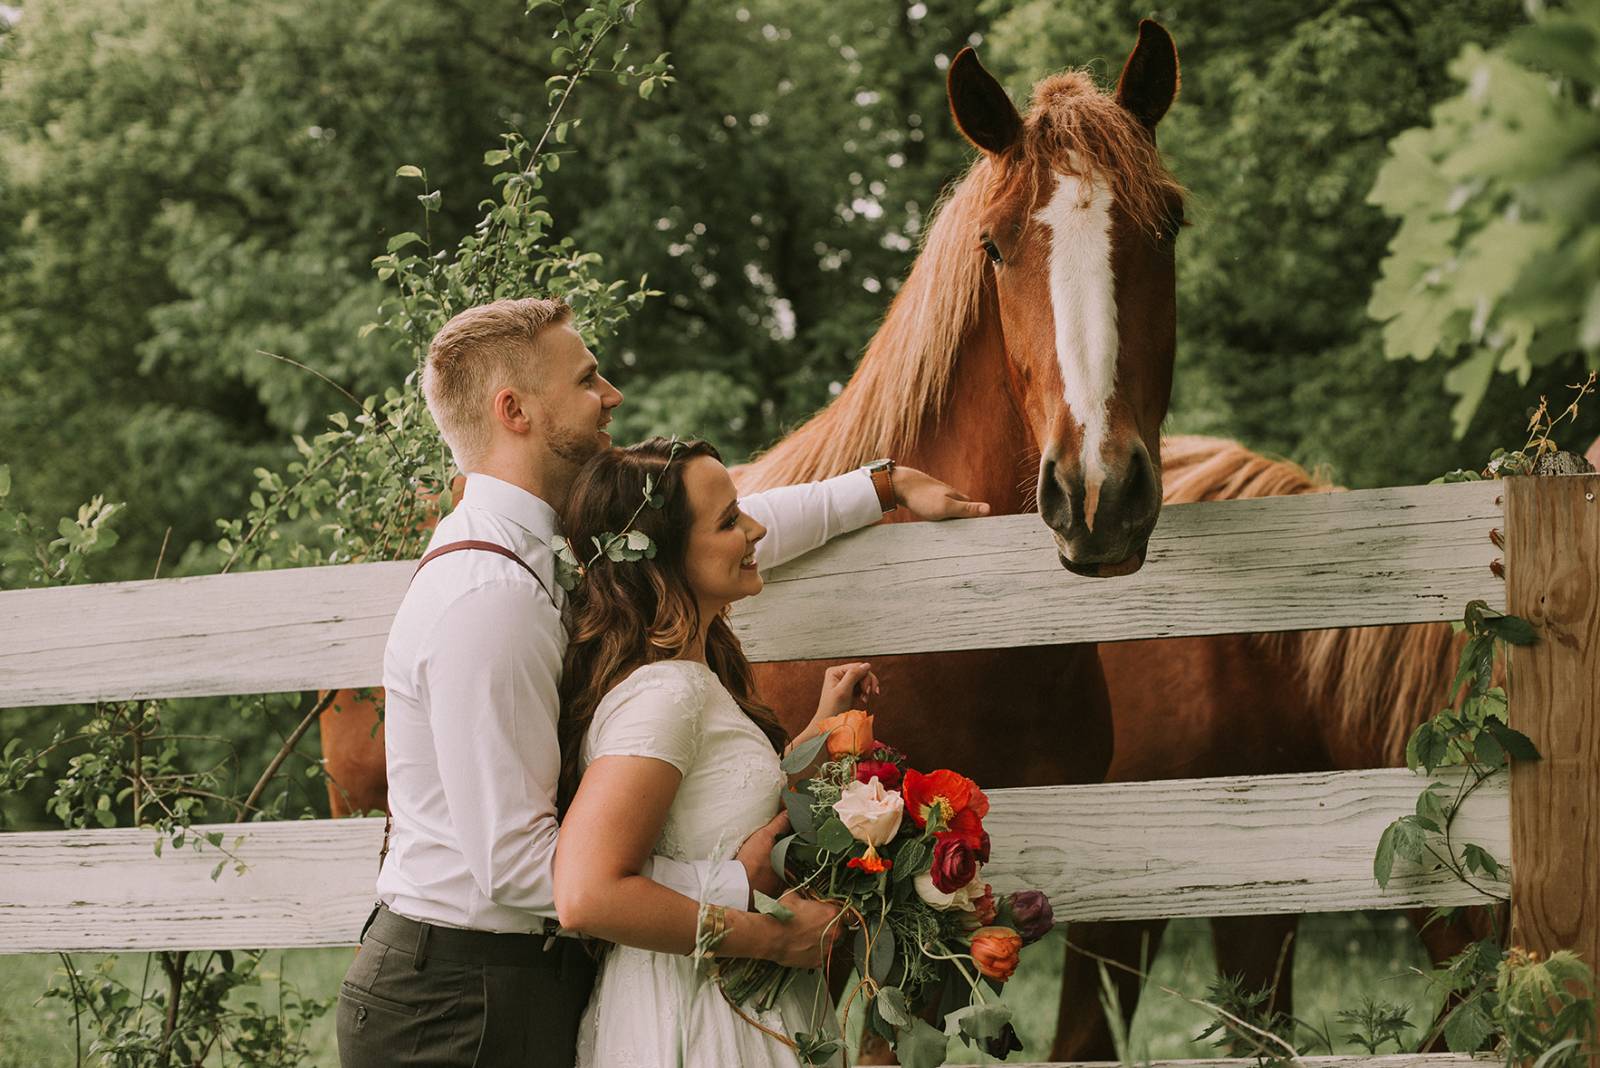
(628, 544)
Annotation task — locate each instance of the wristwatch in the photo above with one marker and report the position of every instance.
(882, 472)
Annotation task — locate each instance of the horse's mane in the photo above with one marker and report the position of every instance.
(904, 377)
(1379, 681)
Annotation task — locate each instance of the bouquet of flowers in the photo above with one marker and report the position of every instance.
(903, 853)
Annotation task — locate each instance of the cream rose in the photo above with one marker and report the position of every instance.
(965, 898)
(870, 813)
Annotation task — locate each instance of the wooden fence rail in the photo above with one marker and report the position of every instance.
(1195, 847)
(1412, 555)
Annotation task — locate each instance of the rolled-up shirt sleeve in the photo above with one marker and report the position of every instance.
(490, 667)
(801, 518)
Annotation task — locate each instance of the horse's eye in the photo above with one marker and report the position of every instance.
(992, 250)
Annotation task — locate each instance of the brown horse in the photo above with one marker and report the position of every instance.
(1250, 704)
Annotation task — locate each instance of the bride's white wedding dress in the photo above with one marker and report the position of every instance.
(652, 1009)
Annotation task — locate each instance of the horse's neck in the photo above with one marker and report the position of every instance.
(978, 443)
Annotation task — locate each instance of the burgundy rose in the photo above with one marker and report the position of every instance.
(1032, 915)
(982, 848)
(954, 864)
(886, 772)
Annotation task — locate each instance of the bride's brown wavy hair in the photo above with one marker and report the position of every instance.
(625, 614)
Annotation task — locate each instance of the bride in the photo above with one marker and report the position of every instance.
(677, 756)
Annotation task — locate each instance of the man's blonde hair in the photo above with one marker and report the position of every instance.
(475, 355)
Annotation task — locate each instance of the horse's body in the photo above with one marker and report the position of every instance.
(1250, 704)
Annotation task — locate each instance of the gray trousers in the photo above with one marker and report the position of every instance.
(420, 995)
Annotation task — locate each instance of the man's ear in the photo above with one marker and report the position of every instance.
(511, 412)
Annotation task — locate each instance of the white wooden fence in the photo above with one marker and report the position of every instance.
(1206, 847)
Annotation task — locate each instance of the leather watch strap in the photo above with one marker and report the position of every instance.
(883, 481)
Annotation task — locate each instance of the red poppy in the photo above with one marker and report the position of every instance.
(952, 801)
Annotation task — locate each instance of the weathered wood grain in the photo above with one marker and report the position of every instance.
(1553, 581)
(1199, 847)
(1329, 560)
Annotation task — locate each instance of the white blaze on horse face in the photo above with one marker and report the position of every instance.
(1083, 298)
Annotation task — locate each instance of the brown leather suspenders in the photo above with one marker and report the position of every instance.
(434, 554)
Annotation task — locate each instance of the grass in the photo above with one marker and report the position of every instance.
(1339, 958)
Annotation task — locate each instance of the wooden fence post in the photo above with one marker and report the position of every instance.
(1553, 581)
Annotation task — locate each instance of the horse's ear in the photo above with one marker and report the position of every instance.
(1149, 81)
(983, 111)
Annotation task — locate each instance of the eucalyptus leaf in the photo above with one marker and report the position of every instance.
(920, 1045)
(801, 756)
(893, 1006)
(834, 836)
(770, 906)
(801, 817)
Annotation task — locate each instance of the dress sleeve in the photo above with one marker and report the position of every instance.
(655, 712)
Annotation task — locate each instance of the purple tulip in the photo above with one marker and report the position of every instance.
(1032, 915)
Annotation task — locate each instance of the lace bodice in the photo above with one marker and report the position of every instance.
(679, 712)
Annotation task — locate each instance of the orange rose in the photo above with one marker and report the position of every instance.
(849, 734)
(994, 950)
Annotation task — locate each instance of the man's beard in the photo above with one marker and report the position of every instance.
(573, 446)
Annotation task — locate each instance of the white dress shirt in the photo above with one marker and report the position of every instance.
(471, 672)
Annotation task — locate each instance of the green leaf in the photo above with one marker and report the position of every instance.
(800, 757)
(1430, 808)
(894, 1008)
(1519, 745)
(400, 241)
(1479, 859)
(430, 201)
(815, 1047)
(834, 837)
(883, 951)
(1467, 1027)
(770, 906)
(495, 156)
(410, 170)
(5, 480)
(780, 855)
(801, 818)
(976, 1023)
(911, 859)
(1513, 630)
(1383, 863)
(920, 1045)
(1487, 750)
(1430, 745)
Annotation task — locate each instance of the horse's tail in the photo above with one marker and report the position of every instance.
(1379, 682)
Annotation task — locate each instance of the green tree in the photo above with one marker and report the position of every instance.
(1496, 265)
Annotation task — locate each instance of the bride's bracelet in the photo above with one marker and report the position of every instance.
(710, 931)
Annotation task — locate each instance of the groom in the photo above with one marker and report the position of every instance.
(457, 964)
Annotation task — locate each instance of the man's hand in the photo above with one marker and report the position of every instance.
(927, 498)
(809, 934)
(756, 856)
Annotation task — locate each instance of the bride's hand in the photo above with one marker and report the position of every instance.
(844, 687)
